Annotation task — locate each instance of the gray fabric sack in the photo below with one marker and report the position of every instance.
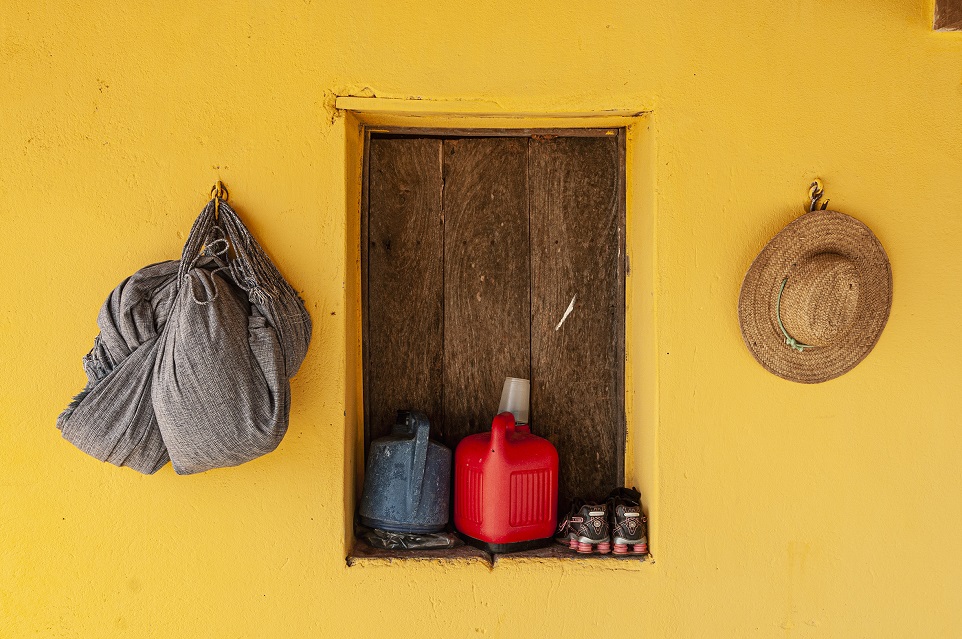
(194, 357)
(113, 418)
(235, 336)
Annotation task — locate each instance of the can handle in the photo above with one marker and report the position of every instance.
(415, 423)
(502, 425)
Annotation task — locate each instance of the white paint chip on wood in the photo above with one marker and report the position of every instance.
(570, 308)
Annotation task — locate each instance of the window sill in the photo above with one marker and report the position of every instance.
(364, 555)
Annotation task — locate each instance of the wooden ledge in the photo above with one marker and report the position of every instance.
(365, 555)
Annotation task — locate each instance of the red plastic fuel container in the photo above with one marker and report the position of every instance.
(506, 487)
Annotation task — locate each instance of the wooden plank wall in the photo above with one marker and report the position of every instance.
(404, 293)
(577, 376)
(468, 283)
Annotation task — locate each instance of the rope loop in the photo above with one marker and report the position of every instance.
(190, 280)
(790, 341)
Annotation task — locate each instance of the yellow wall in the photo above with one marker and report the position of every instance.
(780, 509)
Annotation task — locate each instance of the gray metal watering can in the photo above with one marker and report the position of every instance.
(407, 480)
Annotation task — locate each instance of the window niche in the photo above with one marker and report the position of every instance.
(488, 254)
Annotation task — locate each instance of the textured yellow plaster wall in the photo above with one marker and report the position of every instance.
(783, 510)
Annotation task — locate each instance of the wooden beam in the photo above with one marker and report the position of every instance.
(948, 15)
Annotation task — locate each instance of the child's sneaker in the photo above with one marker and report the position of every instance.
(588, 529)
(628, 522)
(566, 534)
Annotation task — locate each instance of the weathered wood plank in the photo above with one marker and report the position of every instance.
(486, 277)
(404, 303)
(577, 235)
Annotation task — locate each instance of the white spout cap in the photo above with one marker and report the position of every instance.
(515, 398)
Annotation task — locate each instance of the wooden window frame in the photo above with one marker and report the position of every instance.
(361, 116)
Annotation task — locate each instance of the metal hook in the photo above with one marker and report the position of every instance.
(815, 192)
(218, 192)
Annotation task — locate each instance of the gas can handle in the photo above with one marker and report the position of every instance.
(502, 425)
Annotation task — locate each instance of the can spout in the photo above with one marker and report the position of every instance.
(515, 398)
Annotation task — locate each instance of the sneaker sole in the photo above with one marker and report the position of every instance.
(636, 549)
(587, 547)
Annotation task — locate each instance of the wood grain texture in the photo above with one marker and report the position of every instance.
(486, 278)
(577, 236)
(948, 15)
(475, 249)
(404, 292)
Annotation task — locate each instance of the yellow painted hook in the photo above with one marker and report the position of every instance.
(218, 192)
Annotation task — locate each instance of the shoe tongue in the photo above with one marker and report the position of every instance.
(627, 494)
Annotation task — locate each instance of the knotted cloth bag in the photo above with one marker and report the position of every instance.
(113, 418)
(194, 357)
(236, 335)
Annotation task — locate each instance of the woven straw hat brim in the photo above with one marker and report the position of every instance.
(812, 234)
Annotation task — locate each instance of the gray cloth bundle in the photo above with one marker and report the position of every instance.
(113, 418)
(194, 357)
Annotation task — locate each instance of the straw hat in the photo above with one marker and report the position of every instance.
(815, 300)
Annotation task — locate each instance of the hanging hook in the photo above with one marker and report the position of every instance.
(218, 192)
(815, 192)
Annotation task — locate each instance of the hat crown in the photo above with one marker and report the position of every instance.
(820, 301)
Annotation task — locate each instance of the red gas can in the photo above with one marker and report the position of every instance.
(506, 487)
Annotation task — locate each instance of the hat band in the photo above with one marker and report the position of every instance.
(790, 341)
